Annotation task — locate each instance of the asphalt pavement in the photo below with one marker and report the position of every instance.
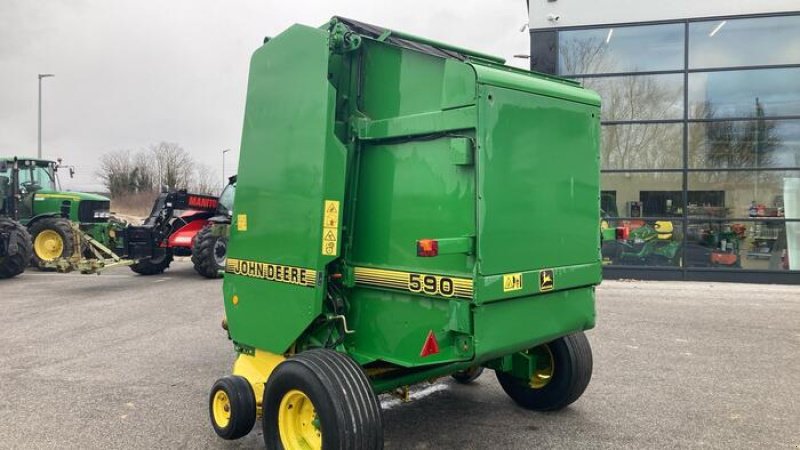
(126, 361)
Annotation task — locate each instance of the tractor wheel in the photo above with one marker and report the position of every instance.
(560, 378)
(467, 376)
(232, 407)
(18, 248)
(321, 399)
(52, 239)
(209, 252)
(153, 266)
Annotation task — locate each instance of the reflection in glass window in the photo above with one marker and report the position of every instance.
(642, 146)
(642, 97)
(742, 244)
(757, 194)
(744, 42)
(645, 243)
(744, 144)
(744, 93)
(621, 49)
(656, 194)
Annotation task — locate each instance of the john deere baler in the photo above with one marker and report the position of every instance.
(405, 210)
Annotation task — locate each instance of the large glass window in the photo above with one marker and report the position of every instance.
(744, 144)
(642, 146)
(644, 97)
(619, 49)
(648, 194)
(744, 42)
(765, 244)
(706, 143)
(744, 93)
(763, 194)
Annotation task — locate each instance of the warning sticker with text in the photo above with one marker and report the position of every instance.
(330, 228)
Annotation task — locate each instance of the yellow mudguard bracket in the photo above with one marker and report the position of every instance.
(256, 369)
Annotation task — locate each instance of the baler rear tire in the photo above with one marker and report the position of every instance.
(572, 370)
(204, 252)
(347, 410)
(153, 266)
(239, 404)
(19, 239)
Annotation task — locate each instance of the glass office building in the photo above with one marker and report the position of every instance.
(701, 142)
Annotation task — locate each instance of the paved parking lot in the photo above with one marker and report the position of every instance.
(123, 361)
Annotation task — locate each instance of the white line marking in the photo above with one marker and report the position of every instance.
(420, 394)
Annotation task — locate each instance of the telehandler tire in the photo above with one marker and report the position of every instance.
(52, 239)
(321, 399)
(557, 383)
(232, 407)
(19, 248)
(209, 252)
(467, 376)
(153, 266)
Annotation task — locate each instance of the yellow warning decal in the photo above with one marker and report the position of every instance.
(272, 272)
(546, 280)
(330, 228)
(512, 282)
(241, 222)
(423, 283)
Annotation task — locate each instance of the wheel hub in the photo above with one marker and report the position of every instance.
(48, 245)
(298, 423)
(545, 366)
(220, 251)
(222, 409)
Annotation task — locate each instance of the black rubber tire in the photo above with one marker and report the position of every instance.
(153, 266)
(572, 358)
(61, 226)
(467, 376)
(19, 248)
(346, 406)
(242, 407)
(204, 257)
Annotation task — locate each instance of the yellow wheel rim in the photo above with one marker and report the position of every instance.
(221, 409)
(545, 366)
(48, 245)
(298, 423)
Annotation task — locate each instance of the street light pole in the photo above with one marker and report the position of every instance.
(223, 167)
(41, 75)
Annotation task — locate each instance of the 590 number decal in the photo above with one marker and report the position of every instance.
(421, 283)
(431, 284)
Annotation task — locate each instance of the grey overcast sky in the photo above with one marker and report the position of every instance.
(134, 72)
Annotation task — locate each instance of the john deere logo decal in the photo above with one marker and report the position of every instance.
(546, 279)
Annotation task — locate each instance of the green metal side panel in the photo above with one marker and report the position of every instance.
(291, 162)
(538, 182)
(510, 326)
(410, 191)
(400, 82)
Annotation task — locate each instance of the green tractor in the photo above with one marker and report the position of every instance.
(210, 246)
(30, 194)
(405, 210)
(15, 248)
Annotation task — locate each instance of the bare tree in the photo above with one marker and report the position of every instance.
(174, 165)
(205, 180)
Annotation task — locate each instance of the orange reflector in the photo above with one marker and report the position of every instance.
(430, 347)
(427, 247)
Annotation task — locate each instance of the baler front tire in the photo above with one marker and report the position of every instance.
(232, 407)
(334, 390)
(572, 370)
(14, 263)
(205, 257)
(153, 266)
